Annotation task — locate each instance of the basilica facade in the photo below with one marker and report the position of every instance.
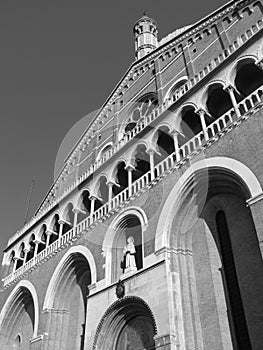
(151, 237)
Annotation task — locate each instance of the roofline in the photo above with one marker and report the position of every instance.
(153, 53)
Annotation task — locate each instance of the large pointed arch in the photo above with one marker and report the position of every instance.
(22, 286)
(231, 165)
(62, 266)
(117, 316)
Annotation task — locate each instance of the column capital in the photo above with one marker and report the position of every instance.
(229, 87)
(77, 210)
(50, 232)
(259, 63)
(63, 221)
(38, 241)
(151, 150)
(18, 258)
(129, 167)
(201, 111)
(175, 132)
(111, 183)
(94, 197)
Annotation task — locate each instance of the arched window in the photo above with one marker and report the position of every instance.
(190, 124)
(32, 245)
(218, 101)
(121, 178)
(176, 87)
(85, 205)
(54, 228)
(104, 151)
(142, 162)
(69, 216)
(43, 238)
(248, 78)
(17, 342)
(165, 144)
(129, 226)
(142, 108)
(21, 255)
(103, 190)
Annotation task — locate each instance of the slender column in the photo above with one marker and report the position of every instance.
(61, 225)
(130, 169)
(48, 233)
(201, 113)
(176, 145)
(231, 91)
(75, 220)
(151, 155)
(36, 247)
(92, 207)
(25, 254)
(15, 263)
(110, 194)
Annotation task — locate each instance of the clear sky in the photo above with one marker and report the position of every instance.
(59, 61)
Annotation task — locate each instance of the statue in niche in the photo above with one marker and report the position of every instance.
(129, 251)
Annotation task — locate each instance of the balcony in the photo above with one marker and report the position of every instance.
(214, 131)
(178, 94)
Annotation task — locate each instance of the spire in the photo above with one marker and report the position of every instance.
(145, 31)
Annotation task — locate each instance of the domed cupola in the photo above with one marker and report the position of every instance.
(145, 32)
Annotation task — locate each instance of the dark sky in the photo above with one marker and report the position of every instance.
(59, 61)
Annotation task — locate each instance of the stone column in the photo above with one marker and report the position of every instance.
(130, 169)
(92, 207)
(176, 145)
(37, 242)
(16, 258)
(201, 113)
(231, 91)
(26, 250)
(48, 233)
(110, 194)
(151, 152)
(75, 220)
(61, 225)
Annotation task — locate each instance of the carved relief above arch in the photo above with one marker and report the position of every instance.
(127, 320)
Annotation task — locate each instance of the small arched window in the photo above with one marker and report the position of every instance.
(17, 342)
(142, 108)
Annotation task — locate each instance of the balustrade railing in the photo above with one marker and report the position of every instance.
(214, 129)
(147, 120)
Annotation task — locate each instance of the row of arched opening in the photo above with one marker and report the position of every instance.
(248, 78)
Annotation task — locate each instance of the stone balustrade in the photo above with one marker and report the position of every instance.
(215, 130)
(44, 209)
